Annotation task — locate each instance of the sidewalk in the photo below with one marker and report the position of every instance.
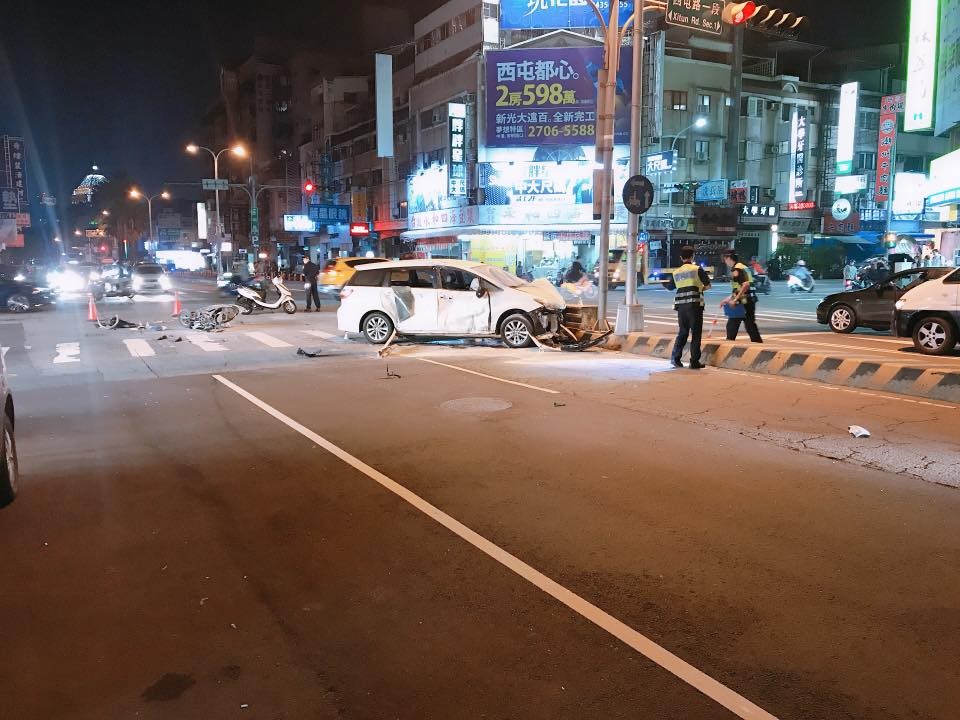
(769, 359)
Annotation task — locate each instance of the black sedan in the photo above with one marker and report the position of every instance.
(19, 297)
(872, 307)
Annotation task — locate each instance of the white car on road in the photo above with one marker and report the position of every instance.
(930, 314)
(447, 298)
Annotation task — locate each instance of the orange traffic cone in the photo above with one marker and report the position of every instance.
(177, 307)
(92, 315)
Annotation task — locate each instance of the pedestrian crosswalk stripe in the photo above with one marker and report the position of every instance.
(268, 340)
(67, 353)
(139, 348)
(204, 343)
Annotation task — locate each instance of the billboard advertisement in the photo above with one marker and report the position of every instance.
(890, 106)
(798, 152)
(921, 64)
(948, 67)
(556, 14)
(549, 97)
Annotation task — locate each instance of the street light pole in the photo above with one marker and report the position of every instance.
(240, 152)
(698, 123)
(636, 120)
(137, 195)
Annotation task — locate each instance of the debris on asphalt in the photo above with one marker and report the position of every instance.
(162, 337)
(156, 327)
(179, 339)
(858, 432)
(310, 353)
(392, 375)
(556, 404)
(383, 351)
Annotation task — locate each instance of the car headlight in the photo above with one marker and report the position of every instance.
(19, 277)
(165, 282)
(899, 304)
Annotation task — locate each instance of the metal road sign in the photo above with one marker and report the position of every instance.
(638, 194)
(216, 184)
(704, 15)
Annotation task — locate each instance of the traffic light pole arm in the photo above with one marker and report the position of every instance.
(241, 186)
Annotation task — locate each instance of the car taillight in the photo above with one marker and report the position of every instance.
(345, 293)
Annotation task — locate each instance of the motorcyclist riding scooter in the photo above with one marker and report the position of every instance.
(800, 279)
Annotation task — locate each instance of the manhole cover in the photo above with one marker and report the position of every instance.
(477, 405)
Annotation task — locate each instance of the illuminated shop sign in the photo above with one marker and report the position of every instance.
(921, 65)
(847, 126)
(556, 14)
(298, 223)
(457, 175)
(798, 145)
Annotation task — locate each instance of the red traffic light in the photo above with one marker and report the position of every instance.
(737, 13)
(309, 188)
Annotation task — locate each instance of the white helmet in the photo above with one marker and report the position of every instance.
(801, 263)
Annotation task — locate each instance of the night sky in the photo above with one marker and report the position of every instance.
(125, 85)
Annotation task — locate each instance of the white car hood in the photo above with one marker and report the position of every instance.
(545, 293)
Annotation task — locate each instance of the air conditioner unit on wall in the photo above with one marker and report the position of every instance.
(701, 157)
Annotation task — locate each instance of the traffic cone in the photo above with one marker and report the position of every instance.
(92, 315)
(177, 307)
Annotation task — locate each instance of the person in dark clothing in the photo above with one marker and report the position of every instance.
(575, 273)
(310, 273)
(690, 281)
(744, 295)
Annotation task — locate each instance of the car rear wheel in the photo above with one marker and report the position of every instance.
(517, 331)
(9, 469)
(377, 328)
(934, 336)
(18, 303)
(843, 319)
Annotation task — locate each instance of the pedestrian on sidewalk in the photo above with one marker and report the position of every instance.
(690, 281)
(742, 303)
(310, 273)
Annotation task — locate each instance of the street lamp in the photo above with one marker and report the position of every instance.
(137, 195)
(105, 213)
(238, 150)
(699, 124)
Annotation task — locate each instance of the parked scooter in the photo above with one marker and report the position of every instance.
(249, 299)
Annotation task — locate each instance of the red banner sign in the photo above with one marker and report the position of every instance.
(890, 106)
(848, 226)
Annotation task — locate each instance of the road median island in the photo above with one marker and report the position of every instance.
(769, 359)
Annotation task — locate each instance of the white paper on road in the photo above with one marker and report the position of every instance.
(139, 348)
(268, 340)
(716, 691)
(67, 353)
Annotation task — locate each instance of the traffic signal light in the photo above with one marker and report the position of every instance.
(308, 187)
(737, 13)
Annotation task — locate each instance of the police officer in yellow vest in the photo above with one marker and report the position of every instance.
(742, 302)
(690, 281)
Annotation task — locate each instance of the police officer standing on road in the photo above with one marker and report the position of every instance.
(742, 301)
(310, 272)
(690, 281)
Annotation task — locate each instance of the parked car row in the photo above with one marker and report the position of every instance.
(919, 303)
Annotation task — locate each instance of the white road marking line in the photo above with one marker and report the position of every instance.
(721, 694)
(139, 348)
(204, 343)
(906, 357)
(268, 340)
(67, 353)
(321, 334)
(834, 388)
(488, 377)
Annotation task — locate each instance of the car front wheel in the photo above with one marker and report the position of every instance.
(843, 319)
(9, 469)
(18, 303)
(377, 328)
(934, 336)
(517, 331)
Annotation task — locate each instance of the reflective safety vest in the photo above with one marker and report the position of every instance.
(689, 286)
(751, 294)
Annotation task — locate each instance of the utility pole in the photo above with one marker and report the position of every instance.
(636, 128)
(606, 102)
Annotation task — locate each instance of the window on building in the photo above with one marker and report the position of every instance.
(751, 107)
(867, 120)
(754, 194)
(347, 184)
(376, 177)
(913, 163)
(866, 161)
(703, 104)
(701, 150)
(679, 147)
(677, 99)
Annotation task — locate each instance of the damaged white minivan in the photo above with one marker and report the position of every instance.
(448, 299)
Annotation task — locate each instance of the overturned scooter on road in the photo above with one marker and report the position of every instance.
(249, 299)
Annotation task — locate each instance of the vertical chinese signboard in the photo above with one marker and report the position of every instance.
(703, 15)
(890, 107)
(798, 145)
(457, 175)
(13, 175)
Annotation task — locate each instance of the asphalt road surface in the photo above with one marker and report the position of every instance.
(225, 528)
